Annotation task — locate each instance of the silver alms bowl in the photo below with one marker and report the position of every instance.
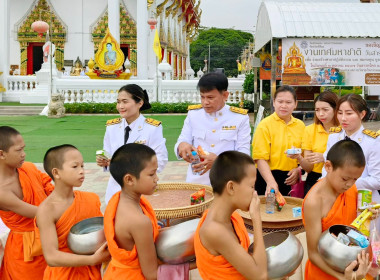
(86, 236)
(284, 254)
(336, 254)
(176, 244)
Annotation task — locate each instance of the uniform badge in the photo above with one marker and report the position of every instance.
(113, 121)
(335, 129)
(140, 142)
(229, 127)
(152, 122)
(371, 133)
(238, 110)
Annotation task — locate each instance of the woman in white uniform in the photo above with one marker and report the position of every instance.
(132, 127)
(352, 110)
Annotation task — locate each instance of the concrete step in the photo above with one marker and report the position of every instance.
(20, 110)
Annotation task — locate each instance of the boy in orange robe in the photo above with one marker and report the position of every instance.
(221, 240)
(22, 188)
(130, 224)
(63, 209)
(333, 200)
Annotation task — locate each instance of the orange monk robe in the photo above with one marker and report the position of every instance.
(217, 267)
(124, 264)
(85, 205)
(343, 212)
(17, 262)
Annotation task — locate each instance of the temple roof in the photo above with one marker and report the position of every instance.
(277, 19)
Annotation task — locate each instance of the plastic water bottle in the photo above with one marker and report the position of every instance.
(270, 202)
(196, 160)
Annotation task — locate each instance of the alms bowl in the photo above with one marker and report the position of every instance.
(336, 254)
(284, 254)
(86, 236)
(175, 245)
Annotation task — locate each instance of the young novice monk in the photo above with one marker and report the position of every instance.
(221, 241)
(22, 188)
(333, 200)
(130, 224)
(63, 209)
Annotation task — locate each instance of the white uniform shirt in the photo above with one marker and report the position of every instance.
(370, 179)
(216, 132)
(142, 133)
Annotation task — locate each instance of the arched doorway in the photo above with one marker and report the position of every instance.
(31, 43)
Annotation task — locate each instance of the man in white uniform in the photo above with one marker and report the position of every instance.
(214, 126)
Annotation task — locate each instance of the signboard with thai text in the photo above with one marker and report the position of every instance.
(350, 62)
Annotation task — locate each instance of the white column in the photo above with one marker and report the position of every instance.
(114, 18)
(142, 39)
(4, 40)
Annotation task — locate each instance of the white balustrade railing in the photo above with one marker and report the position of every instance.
(98, 91)
(83, 90)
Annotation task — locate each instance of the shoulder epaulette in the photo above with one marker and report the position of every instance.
(238, 110)
(113, 121)
(378, 131)
(194, 107)
(335, 129)
(371, 133)
(152, 121)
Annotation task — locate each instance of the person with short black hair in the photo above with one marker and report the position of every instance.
(130, 224)
(213, 125)
(333, 200)
(273, 137)
(221, 240)
(61, 211)
(22, 188)
(132, 127)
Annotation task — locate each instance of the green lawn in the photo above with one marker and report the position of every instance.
(85, 132)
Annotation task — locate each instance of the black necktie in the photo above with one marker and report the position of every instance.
(347, 138)
(126, 135)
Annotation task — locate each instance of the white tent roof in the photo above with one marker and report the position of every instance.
(277, 19)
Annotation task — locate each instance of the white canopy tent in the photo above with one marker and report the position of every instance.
(279, 19)
(283, 19)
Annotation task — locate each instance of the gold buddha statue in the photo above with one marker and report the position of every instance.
(294, 61)
(77, 69)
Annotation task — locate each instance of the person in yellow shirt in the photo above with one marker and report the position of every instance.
(273, 137)
(315, 137)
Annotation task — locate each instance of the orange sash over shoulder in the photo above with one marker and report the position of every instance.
(342, 212)
(18, 261)
(85, 205)
(124, 264)
(217, 267)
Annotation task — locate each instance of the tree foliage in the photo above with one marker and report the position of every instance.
(225, 47)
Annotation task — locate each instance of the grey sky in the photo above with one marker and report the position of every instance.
(237, 14)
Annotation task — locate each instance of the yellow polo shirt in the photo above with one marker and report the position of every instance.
(273, 137)
(315, 139)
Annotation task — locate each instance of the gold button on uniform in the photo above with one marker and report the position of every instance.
(216, 119)
(220, 113)
(214, 130)
(213, 145)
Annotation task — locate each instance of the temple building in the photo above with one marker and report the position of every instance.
(77, 27)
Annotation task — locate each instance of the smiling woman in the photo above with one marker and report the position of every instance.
(132, 127)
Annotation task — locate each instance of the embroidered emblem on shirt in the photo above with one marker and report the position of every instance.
(335, 129)
(140, 142)
(371, 133)
(194, 107)
(113, 121)
(231, 127)
(238, 110)
(152, 122)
